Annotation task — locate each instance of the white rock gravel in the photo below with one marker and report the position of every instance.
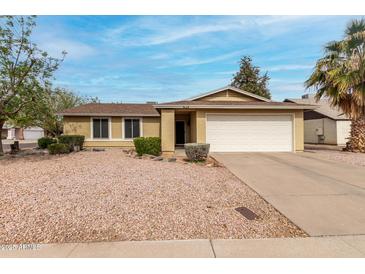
(352, 158)
(105, 196)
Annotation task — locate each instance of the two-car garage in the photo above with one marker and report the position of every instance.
(249, 133)
(234, 120)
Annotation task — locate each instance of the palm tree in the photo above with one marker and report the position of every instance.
(340, 77)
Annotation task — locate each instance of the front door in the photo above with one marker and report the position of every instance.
(180, 132)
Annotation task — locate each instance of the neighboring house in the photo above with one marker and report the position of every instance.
(229, 119)
(4, 133)
(16, 133)
(324, 124)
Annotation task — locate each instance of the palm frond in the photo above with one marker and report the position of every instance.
(340, 74)
(355, 26)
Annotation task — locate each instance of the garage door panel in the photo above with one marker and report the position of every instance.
(249, 132)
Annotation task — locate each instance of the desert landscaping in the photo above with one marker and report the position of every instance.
(108, 196)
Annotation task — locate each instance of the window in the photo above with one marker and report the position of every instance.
(131, 128)
(100, 128)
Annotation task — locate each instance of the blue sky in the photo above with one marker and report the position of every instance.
(167, 58)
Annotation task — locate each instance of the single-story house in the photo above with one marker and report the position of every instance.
(324, 124)
(229, 119)
(17, 133)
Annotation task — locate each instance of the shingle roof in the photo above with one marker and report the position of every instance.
(233, 104)
(323, 107)
(111, 109)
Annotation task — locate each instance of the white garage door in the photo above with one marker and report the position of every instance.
(227, 133)
(33, 133)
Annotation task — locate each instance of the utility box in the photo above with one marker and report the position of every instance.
(319, 131)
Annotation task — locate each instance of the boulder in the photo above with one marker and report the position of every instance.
(158, 158)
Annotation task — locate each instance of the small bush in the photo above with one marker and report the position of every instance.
(44, 142)
(196, 152)
(147, 145)
(58, 149)
(72, 140)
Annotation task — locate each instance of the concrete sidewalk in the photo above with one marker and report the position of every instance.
(23, 144)
(314, 247)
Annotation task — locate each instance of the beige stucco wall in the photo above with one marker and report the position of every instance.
(298, 123)
(343, 129)
(329, 129)
(310, 127)
(227, 95)
(151, 126)
(81, 126)
(335, 132)
(168, 130)
(200, 126)
(76, 125)
(193, 127)
(116, 127)
(299, 130)
(108, 143)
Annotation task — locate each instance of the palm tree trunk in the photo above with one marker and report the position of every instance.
(2, 122)
(356, 141)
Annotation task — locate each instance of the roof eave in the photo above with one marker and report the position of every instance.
(109, 114)
(232, 107)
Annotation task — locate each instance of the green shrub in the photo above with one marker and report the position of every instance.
(58, 149)
(147, 145)
(44, 142)
(72, 140)
(196, 152)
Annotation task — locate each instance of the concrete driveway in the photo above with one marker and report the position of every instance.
(322, 197)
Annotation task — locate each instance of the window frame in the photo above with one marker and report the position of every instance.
(92, 128)
(140, 127)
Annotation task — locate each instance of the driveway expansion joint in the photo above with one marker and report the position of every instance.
(211, 245)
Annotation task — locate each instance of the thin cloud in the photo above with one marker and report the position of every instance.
(74, 49)
(193, 31)
(288, 86)
(160, 36)
(184, 55)
(160, 56)
(289, 67)
(201, 61)
(147, 33)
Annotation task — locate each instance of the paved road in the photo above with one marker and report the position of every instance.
(322, 197)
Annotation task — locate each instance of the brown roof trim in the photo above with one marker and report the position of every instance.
(112, 109)
(101, 114)
(232, 105)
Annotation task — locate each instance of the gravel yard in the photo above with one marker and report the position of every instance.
(107, 196)
(356, 159)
